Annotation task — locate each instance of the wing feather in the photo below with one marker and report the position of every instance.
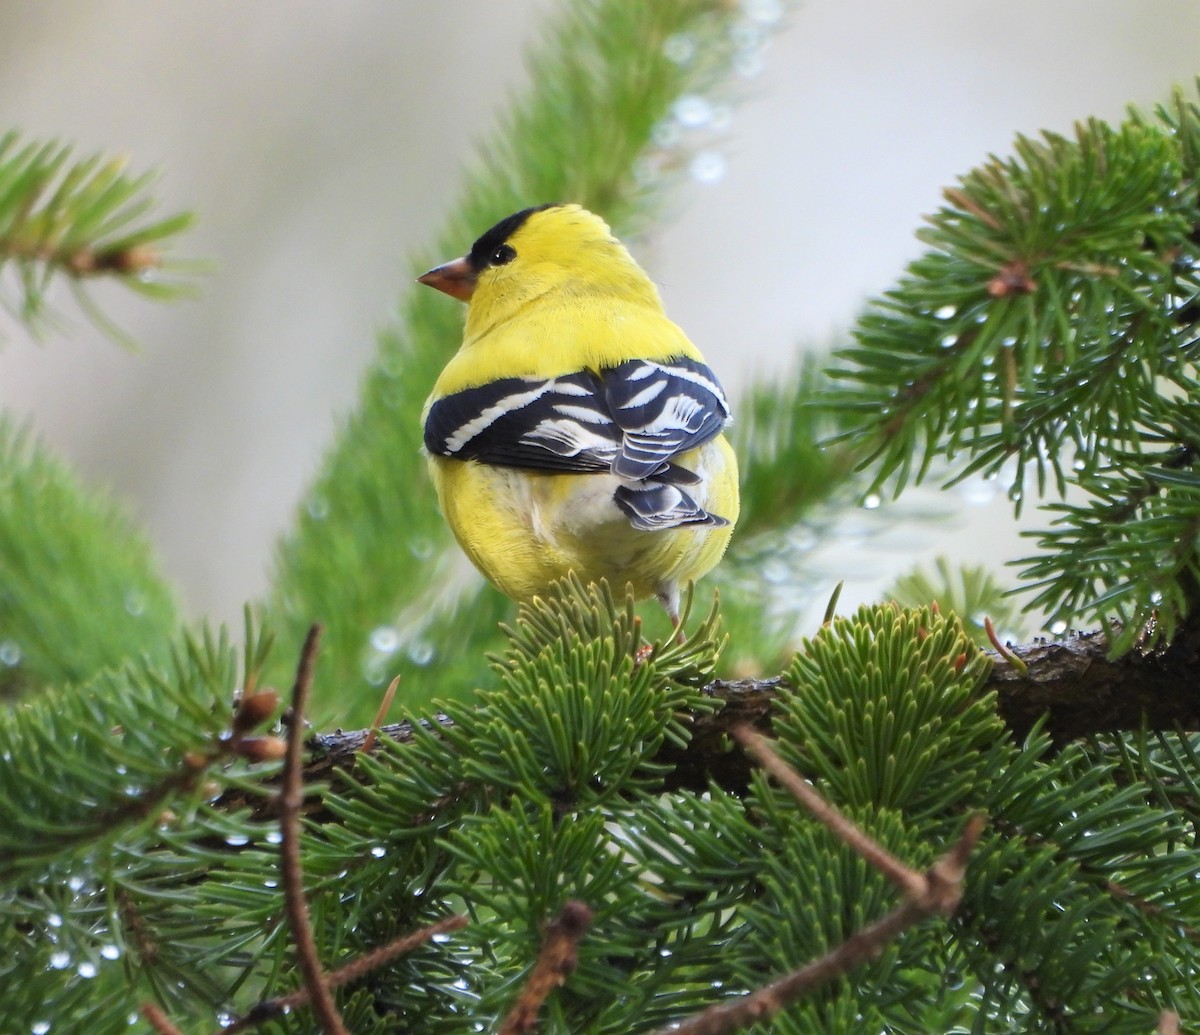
(634, 420)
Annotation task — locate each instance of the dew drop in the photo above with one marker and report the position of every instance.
(421, 549)
(110, 952)
(75, 884)
(379, 851)
(776, 571)
(721, 117)
(236, 840)
(60, 960)
(707, 167)
(420, 652)
(749, 64)
(803, 539)
(666, 134)
(1058, 628)
(135, 603)
(10, 653)
(54, 920)
(385, 639)
(872, 501)
(318, 508)
(86, 970)
(274, 837)
(679, 48)
(692, 111)
(946, 312)
(746, 35)
(764, 12)
(40, 1027)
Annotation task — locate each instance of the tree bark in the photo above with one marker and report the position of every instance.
(1071, 684)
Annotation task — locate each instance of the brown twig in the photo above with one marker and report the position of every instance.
(291, 798)
(158, 1020)
(265, 1010)
(936, 891)
(908, 880)
(1168, 1023)
(556, 960)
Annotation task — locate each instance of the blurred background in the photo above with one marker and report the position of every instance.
(320, 144)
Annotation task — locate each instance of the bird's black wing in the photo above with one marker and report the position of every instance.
(560, 424)
(662, 410)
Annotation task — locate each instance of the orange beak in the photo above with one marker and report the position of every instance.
(455, 278)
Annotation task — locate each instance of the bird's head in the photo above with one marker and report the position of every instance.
(562, 249)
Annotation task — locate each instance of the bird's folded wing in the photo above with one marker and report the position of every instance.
(662, 409)
(560, 424)
(633, 419)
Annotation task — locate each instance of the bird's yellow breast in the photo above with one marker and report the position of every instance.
(525, 529)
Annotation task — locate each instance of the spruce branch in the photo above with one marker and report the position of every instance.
(83, 766)
(82, 590)
(1072, 688)
(81, 219)
(1048, 337)
(937, 891)
(355, 970)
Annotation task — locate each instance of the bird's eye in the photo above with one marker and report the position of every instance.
(502, 255)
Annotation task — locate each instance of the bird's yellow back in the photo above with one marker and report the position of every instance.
(573, 298)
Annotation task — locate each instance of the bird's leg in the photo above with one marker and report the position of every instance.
(669, 598)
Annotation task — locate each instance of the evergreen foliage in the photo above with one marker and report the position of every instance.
(80, 589)
(1047, 338)
(80, 220)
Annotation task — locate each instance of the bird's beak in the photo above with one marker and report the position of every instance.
(455, 278)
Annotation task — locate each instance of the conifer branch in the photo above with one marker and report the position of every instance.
(291, 799)
(936, 891)
(80, 219)
(356, 969)
(908, 880)
(1072, 686)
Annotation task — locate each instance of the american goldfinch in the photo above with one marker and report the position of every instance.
(576, 428)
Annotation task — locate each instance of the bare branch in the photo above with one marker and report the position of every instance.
(158, 1020)
(556, 960)
(1168, 1023)
(291, 798)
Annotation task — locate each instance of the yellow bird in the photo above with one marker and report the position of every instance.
(577, 428)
